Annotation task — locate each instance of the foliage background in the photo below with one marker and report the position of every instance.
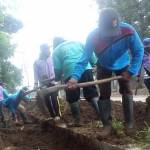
(136, 12)
(9, 74)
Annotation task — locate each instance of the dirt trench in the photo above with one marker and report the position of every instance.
(33, 137)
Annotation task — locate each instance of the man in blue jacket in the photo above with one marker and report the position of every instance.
(119, 50)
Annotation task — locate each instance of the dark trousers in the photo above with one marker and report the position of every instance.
(105, 89)
(88, 92)
(1, 113)
(52, 103)
(147, 83)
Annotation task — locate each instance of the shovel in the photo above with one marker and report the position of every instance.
(85, 84)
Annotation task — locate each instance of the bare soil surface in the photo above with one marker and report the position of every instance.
(33, 137)
(91, 127)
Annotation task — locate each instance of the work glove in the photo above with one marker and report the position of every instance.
(126, 76)
(72, 83)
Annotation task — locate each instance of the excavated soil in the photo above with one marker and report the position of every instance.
(33, 137)
(92, 129)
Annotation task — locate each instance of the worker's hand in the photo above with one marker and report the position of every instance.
(94, 69)
(126, 76)
(72, 83)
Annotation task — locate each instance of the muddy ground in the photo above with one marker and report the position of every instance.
(33, 137)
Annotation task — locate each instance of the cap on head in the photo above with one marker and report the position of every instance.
(44, 50)
(44, 46)
(146, 42)
(57, 41)
(109, 18)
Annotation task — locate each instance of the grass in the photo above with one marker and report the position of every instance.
(95, 124)
(118, 127)
(143, 137)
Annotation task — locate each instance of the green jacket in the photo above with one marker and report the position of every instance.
(65, 57)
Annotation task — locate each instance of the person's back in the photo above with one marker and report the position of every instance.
(66, 55)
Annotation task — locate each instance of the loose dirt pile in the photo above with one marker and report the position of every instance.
(92, 128)
(32, 137)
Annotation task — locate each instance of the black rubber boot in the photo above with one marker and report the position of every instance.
(105, 115)
(127, 102)
(147, 109)
(55, 103)
(24, 117)
(2, 120)
(94, 104)
(49, 105)
(75, 109)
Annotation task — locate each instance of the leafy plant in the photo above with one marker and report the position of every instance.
(118, 127)
(9, 73)
(143, 137)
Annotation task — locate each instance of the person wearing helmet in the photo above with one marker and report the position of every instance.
(44, 76)
(120, 50)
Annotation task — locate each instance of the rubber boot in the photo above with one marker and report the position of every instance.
(2, 120)
(49, 105)
(75, 109)
(127, 102)
(105, 115)
(94, 104)
(24, 117)
(3, 124)
(147, 109)
(55, 104)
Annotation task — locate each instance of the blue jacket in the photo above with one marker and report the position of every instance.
(113, 53)
(12, 101)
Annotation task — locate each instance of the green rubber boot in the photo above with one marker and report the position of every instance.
(105, 115)
(127, 102)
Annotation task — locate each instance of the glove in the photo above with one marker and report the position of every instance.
(72, 83)
(126, 76)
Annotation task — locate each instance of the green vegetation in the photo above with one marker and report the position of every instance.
(118, 127)
(143, 137)
(9, 73)
(135, 12)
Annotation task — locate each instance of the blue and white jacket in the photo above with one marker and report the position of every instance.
(115, 53)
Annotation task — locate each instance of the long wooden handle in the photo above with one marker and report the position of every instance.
(85, 84)
(65, 86)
